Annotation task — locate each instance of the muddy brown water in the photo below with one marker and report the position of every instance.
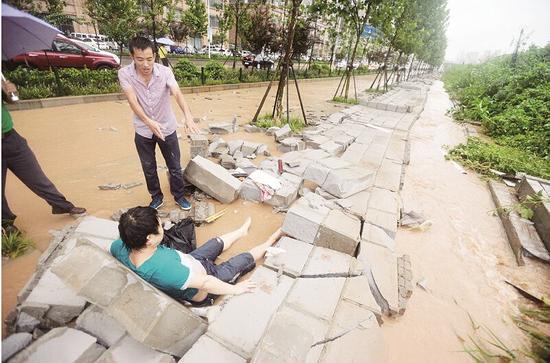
(463, 258)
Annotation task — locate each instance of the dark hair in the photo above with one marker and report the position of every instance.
(136, 224)
(140, 43)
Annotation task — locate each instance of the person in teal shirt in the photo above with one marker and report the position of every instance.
(190, 277)
(18, 158)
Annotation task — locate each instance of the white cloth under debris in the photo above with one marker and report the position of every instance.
(268, 184)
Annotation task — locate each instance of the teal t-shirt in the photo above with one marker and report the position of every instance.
(166, 269)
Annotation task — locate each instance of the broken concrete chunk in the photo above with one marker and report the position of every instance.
(271, 131)
(128, 350)
(339, 232)
(302, 222)
(293, 259)
(324, 262)
(26, 323)
(252, 128)
(109, 186)
(332, 148)
(249, 148)
(14, 344)
(346, 182)
(291, 144)
(317, 296)
(245, 164)
(283, 133)
(61, 345)
(213, 179)
(207, 349)
(234, 145)
(227, 161)
(96, 322)
(221, 128)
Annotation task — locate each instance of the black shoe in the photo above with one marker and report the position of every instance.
(74, 211)
(8, 229)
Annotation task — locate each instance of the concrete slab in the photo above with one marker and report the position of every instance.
(317, 296)
(207, 350)
(332, 148)
(61, 345)
(384, 200)
(212, 179)
(98, 227)
(14, 344)
(359, 202)
(129, 350)
(346, 182)
(355, 152)
(361, 338)
(386, 221)
(250, 313)
(389, 175)
(290, 338)
(99, 324)
(324, 261)
(292, 261)
(302, 222)
(339, 232)
(378, 236)
(357, 290)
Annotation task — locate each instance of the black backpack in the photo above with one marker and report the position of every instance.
(181, 236)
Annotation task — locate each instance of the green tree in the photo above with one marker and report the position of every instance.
(226, 17)
(195, 18)
(115, 18)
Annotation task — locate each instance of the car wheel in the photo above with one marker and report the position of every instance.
(103, 67)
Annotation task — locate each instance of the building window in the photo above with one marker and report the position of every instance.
(214, 22)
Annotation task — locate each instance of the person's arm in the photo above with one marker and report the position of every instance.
(189, 123)
(153, 125)
(216, 286)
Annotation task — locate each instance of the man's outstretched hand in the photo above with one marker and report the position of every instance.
(191, 127)
(155, 128)
(244, 287)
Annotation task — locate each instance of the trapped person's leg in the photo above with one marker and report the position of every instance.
(8, 217)
(171, 151)
(23, 163)
(146, 151)
(229, 238)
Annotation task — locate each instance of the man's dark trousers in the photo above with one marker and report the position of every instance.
(171, 151)
(18, 157)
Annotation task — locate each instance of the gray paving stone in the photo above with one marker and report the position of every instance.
(315, 141)
(145, 313)
(285, 195)
(362, 340)
(396, 149)
(212, 179)
(283, 133)
(227, 161)
(316, 173)
(317, 296)
(357, 290)
(359, 202)
(384, 200)
(373, 157)
(378, 236)
(336, 118)
(389, 175)
(61, 345)
(339, 232)
(365, 137)
(249, 191)
(26, 323)
(332, 148)
(355, 152)
(302, 222)
(99, 324)
(64, 303)
(234, 145)
(314, 155)
(207, 350)
(249, 148)
(292, 261)
(290, 337)
(14, 344)
(129, 350)
(250, 313)
(383, 265)
(384, 220)
(324, 261)
(344, 139)
(97, 227)
(346, 182)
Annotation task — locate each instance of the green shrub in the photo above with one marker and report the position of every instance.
(350, 101)
(14, 244)
(185, 70)
(214, 70)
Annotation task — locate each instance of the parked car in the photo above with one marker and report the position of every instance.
(257, 61)
(66, 53)
(182, 50)
(93, 49)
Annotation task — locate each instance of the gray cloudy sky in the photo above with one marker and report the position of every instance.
(477, 27)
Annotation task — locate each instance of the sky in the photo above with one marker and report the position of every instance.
(478, 28)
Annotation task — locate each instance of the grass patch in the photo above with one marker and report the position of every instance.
(266, 121)
(15, 244)
(532, 322)
(349, 101)
(481, 156)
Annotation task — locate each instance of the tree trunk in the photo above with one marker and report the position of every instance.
(410, 67)
(237, 17)
(312, 47)
(332, 57)
(393, 71)
(278, 106)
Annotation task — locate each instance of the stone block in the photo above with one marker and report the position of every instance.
(249, 191)
(354, 153)
(359, 202)
(336, 118)
(285, 195)
(316, 173)
(384, 200)
(249, 148)
(293, 260)
(357, 290)
(292, 337)
(128, 350)
(366, 137)
(227, 161)
(389, 175)
(221, 128)
(207, 349)
(26, 323)
(282, 133)
(314, 155)
(383, 264)
(315, 141)
(234, 145)
(250, 313)
(323, 261)
(385, 220)
(97, 323)
(291, 144)
(346, 182)
(64, 303)
(61, 345)
(332, 148)
(541, 217)
(302, 222)
(199, 150)
(14, 344)
(98, 227)
(339, 232)
(212, 179)
(396, 149)
(317, 296)
(198, 140)
(146, 314)
(378, 236)
(344, 139)
(245, 164)
(360, 337)
(252, 128)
